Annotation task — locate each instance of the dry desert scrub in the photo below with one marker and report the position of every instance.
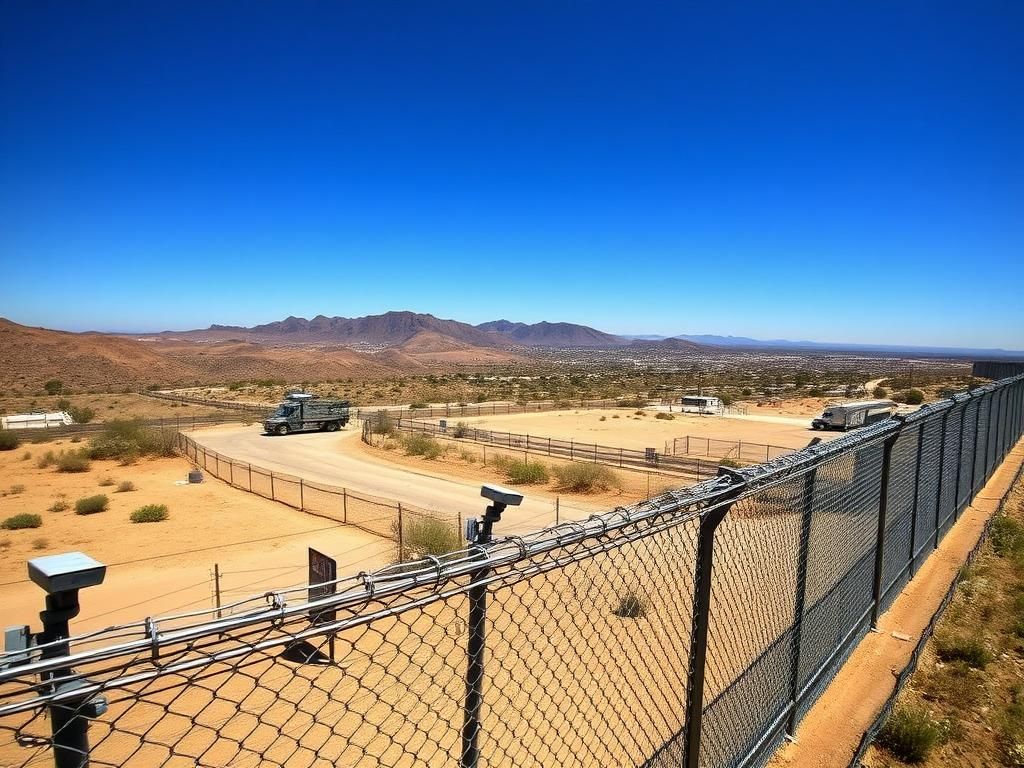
(579, 477)
(22, 521)
(151, 513)
(90, 505)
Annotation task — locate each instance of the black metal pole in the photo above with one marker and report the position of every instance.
(917, 495)
(974, 453)
(883, 511)
(801, 594)
(959, 463)
(942, 471)
(701, 620)
(70, 729)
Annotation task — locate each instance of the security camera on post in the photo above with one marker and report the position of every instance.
(479, 531)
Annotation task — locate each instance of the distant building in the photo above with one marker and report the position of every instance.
(699, 404)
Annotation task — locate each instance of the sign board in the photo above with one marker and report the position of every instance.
(322, 569)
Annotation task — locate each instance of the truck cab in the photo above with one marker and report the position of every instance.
(302, 412)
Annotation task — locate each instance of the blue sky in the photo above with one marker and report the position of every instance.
(832, 171)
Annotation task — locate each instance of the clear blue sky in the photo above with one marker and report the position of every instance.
(834, 171)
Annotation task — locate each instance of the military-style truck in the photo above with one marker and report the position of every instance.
(851, 415)
(303, 412)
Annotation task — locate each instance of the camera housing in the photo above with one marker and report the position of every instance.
(499, 495)
(66, 572)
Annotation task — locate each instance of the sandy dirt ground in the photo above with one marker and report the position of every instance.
(640, 432)
(106, 407)
(830, 732)
(323, 457)
(158, 568)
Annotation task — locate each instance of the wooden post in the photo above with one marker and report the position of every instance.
(557, 509)
(344, 505)
(216, 587)
(272, 486)
(401, 534)
(250, 477)
(302, 496)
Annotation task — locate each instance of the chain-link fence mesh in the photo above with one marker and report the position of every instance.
(694, 629)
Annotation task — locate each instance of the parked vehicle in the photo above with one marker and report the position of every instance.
(701, 404)
(36, 420)
(850, 415)
(302, 412)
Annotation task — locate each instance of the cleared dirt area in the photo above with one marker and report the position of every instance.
(156, 568)
(631, 430)
(107, 406)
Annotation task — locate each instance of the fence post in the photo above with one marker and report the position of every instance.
(801, 592)
(959, 463)
(302, 496)
(883, 511)
(344, 505)
(272, 497)
(250, 477)
(974, 453)
(231, 472)
(942, 465)
(401, 535)
(557, 510)
(216, 587)
(701, 618)
(913, 509)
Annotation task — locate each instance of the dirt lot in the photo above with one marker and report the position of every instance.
(630, 430)
(159, 567)
(106, 407)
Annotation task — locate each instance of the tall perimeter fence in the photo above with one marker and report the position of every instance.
(383, 517)
(694, 629)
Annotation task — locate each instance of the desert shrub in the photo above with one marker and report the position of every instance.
(586, 478)
(125, 486)
(664, 416)
(910, 734)
(106, 482)
(727, 462)
(969, 650)
(53, 386)
(630, 606)
(422, 445)
(467, 456)
(461, 429)
(522, 472)
(151, 513)
(880, 392)
(20, 521)
(26, 455)
(60, 506)
(747, 392)
(81, 414)
(603, 418)
(428, 536)
(417, 406)
(124, 438)
(9, 440)
(63, 404)
(381, 423)
(73, 462)
(15, 489)
(40, 543)
(639, 413)
(90, 505)
(914, 396)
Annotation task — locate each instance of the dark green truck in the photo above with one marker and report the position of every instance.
(301, 412)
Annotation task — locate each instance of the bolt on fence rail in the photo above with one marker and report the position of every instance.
(695, 629)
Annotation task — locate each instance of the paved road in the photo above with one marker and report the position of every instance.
(320, 457)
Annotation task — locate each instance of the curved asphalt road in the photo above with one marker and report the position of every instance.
(320, 457)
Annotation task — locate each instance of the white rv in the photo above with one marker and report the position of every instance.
(35, 420)
(849, 415)
(701, 404)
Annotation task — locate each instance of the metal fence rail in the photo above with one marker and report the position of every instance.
(627, 458)
(695, 629)
(384, 517)
(738, 450)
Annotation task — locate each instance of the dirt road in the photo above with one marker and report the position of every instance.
(318, 457)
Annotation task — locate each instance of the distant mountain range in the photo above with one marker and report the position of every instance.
(902, 349)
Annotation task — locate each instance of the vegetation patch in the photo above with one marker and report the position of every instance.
(9, 440)
(419, 444)
(521, 471)
(911, 734)
(90, 505)
(21, 521)
(664, 416)
(630, 606)
(73, 461)
(59, 506)
(579, 477)
(423, 536)
(125, 486)
(131, 438)
(151, 513)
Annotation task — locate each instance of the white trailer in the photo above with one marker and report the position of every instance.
(849, 415)
(701, 404)
(36, 420)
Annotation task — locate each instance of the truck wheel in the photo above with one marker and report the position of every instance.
(282, 429)
(332, 426)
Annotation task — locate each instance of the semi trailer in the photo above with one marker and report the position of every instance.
(301, 412)
(850, 415)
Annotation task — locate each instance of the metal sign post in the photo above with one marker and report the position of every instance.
(323, 574)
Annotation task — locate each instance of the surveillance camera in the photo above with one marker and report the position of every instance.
(500, 495)
(63, 573)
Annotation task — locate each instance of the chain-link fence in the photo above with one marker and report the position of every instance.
(625, 458)
(694, 629)
(737, 450)
(384, 517)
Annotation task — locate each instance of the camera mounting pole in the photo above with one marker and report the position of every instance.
(480, 532)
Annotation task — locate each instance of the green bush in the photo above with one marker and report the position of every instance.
(151, 513)
(130, 438)
(53, 386)
(23, 520)
(461, 429)
(521, 471)
(46, 460)
(1007, 536)
(969, 650)
(73, 462)
(125, 486)
(664, 416)
(586, 478)
(81, 415)
(419, 444)
(90, 505)
(880, 392)
(727, 462)
(9, 440)
(630, 606)
(428, 536)
(381, 423)
(910, 734)
(914, 396)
